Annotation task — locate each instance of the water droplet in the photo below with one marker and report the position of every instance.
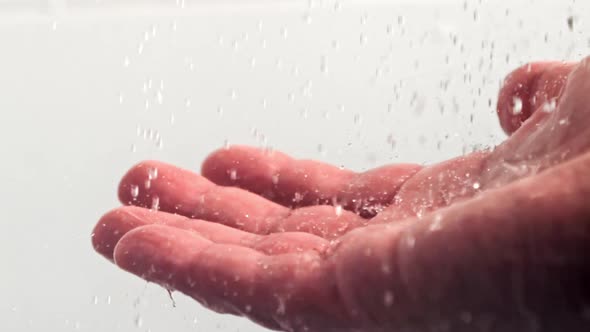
(307, 18)
(126, 61)
(338, 210)
(109, 299)
(388, 298)
(517, 106)
(159, 97)
(153, 173)
(134, 189)
(133, 148)
(248, 308)
(284, 33)
(436, 224)
(120, 98)
(233, 174)
(410, 241)
(476, 185)
(172, 119)
(54, 25)
(563, 122)
(155, 203)
(363, 39)
(138, 321)
(95, 300)
(549, 106)
(140, 49)
(187, 103)
(275, 179)
(323, 64)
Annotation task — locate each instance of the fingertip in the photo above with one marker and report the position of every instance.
(111, 227)
(157, 253)
(138, 177)
(529, 87)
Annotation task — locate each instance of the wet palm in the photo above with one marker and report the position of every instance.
(492, 241)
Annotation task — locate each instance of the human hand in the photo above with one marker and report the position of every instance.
(491, 241)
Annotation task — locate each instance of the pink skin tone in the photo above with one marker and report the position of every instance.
(492, 241)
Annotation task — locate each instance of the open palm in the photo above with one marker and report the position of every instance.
(492, 241)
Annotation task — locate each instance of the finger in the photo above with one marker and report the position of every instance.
(186, 193)
(180, 191)
(295, 183)
(116, 223)
(270, 290)
(535, 86)
(518, 254)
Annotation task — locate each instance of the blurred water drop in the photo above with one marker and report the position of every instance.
(126, 61)
(187, 103)
(159, 143)
(357, 118)
(153, 173)
(109, 299)
(155, 203)
(172, 119)
(549, 106)
(159, 97)
(388, 298)
(95, 300)
(233, 174)
(307, 18)
(120, 98)
(517, 106)
(133, 148)
(363, 39)
(323, 64)
(476, 185)
(54, 25)
(338, 210)
(248, 308)
(138, 321)
(134, 189)
(140, 49)
(174, 26)
(284, 33)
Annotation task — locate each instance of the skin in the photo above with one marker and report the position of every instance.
(492, 241)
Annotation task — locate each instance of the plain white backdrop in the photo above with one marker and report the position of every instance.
(88, 88)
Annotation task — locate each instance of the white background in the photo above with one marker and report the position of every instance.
(357, 84)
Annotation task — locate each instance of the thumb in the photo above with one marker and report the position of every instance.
(529, 88)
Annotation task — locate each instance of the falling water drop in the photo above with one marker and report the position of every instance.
(233, 174)
(155, 203)
(388, 298)
(138, 321)
(338, 210)
(517, 106)
(153, 173)
(134, 189)
(126, 61)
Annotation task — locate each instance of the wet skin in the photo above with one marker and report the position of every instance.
(495, 240)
